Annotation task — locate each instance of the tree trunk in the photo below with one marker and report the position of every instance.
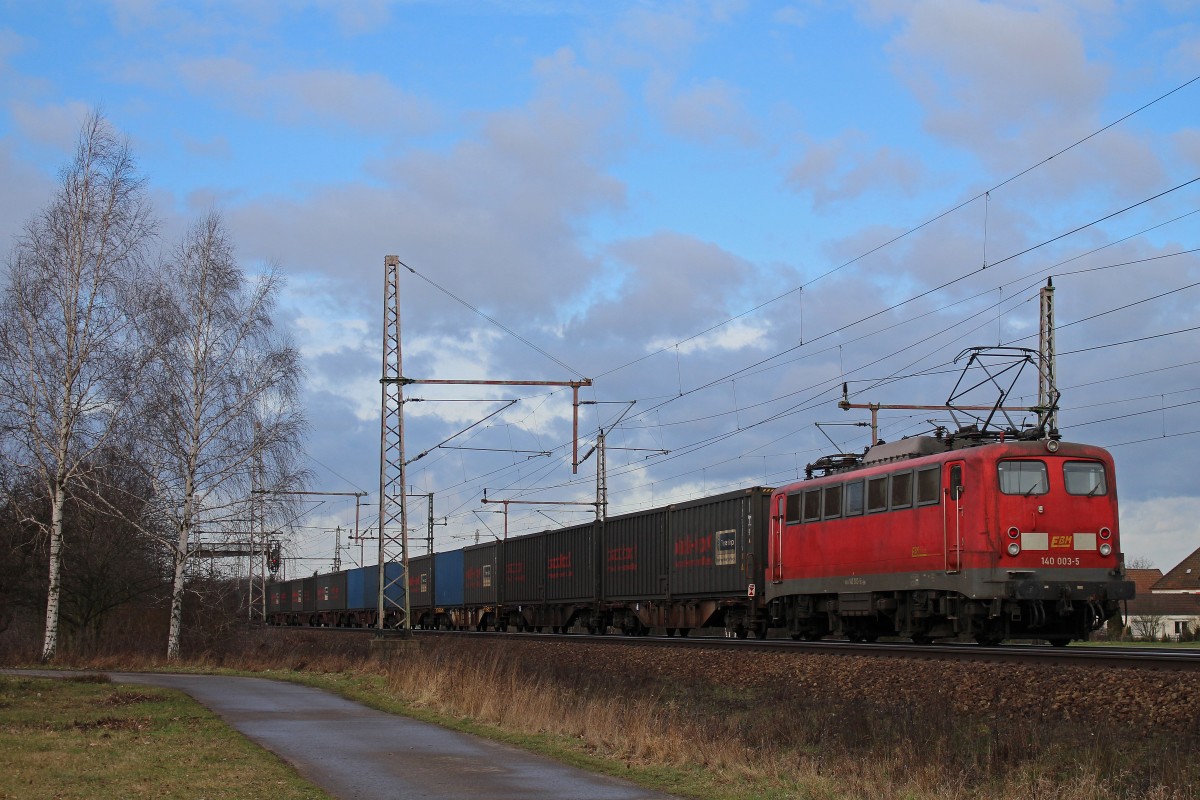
(176, 630)
(50, 640)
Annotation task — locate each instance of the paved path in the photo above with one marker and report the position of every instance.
(353, 751)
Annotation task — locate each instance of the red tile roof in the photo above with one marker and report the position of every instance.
(1185, 577)
(1147, 603)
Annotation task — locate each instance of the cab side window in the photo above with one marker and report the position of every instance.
(928, 485)
(877, 494)
(854, 498)
(833, 501)
(812, 505)
(793, 508)
(902, 490)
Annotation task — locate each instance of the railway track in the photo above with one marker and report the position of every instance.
(1180, 659)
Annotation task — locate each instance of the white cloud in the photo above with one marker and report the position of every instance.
(24, 190)
(55, 124)
(367, 102)
(708, 112)
(737, 335)
(847, 167)
(1163, 529)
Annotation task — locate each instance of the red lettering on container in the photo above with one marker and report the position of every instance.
(694, 551)
(559, 567)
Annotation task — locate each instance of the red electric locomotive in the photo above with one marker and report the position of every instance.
(928, 538)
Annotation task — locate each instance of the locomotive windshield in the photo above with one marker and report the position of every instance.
(1023, 477)
(1085, 477)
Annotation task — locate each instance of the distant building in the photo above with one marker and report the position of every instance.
(1184, 579)
(1166, 606)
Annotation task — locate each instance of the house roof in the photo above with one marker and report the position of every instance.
(1143, 579)
(1185, 577)
(1146, 603)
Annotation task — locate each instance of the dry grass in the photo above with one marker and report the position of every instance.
(84, 738)
(714, 726)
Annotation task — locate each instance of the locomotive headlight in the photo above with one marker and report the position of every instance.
(1052, 445)
(1106, 549)
(1013, 548)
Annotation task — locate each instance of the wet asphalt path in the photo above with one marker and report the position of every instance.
(353, 751)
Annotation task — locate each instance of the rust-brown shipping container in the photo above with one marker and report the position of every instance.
(524, 569)
(331, 592)
(570, 557)
(480, 576)
(420, 582)
(634, 562)
(719, 544)
(279, 598)
(308, 595)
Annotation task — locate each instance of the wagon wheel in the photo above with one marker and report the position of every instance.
(921, 638)
(670, 632)
(1060, 641)
(684, 631)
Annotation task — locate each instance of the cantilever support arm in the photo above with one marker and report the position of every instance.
(575, 386)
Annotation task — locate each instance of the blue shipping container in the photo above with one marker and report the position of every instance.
(355, 591)
(362, 586)
(448, 579)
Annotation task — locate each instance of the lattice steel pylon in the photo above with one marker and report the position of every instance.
(257, 596)
(1047, 363)
(393, 511)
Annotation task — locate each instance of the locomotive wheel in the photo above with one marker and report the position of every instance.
(921, 638)
(1060, 641)
(987, 640)
(760, 631)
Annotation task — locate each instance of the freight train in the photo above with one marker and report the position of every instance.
(926, 538)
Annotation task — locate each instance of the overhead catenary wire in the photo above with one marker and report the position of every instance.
(493, 320)
(744, 370)
(912, 230)
(701, 443)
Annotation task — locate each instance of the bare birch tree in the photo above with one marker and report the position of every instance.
(69, 359)
(224, 416)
